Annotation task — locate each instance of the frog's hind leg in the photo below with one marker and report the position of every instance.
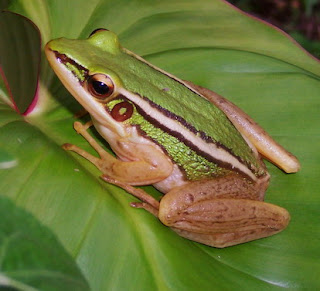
(149, 203)
(207, 212)
(228, 222)
(262, 141)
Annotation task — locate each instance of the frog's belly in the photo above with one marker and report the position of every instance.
(174, 180)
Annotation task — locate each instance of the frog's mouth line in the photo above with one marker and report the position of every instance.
(80, 72)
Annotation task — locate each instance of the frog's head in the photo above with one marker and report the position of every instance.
(121, 91)
(85, 67)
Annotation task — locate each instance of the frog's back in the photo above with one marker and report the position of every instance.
(196, 134)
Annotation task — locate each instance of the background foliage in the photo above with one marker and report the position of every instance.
(299, 18)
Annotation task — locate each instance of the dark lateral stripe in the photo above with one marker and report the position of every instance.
(187, 125)
(64, 59)
(199, 133)
(182, 139)
(183, 122)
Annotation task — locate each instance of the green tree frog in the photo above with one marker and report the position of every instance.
(196, 147)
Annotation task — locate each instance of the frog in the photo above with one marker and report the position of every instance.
(200, 150)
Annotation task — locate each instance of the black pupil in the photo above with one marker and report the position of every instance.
(100, 87)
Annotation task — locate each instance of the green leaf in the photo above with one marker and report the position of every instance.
(7, 160)
(214, 45)
(312, 46)
(19, 60)
(31, 257)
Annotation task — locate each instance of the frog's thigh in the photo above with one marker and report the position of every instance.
(217, 220)
(230, 222)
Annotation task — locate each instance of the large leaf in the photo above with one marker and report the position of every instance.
(15, 60)
(213, 45)
(31, 257)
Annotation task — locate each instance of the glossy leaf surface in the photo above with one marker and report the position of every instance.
(19, 53)
(214, 45)
(31, 257)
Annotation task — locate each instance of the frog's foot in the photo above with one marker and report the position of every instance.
(149, 203)
(105, 162)
(82, 129)
(81, 152)
(147, 207)
(223, 222)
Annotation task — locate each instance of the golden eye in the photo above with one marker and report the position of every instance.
(100, 86)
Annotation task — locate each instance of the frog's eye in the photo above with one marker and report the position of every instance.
(100, 86)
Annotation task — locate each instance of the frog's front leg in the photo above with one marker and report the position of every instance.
(150, 165)
(212, 213)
